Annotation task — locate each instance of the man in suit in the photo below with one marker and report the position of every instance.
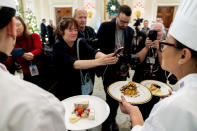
(111, 36)
(51, 34)
(43, 29)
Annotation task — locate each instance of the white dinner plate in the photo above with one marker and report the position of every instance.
(164, 87)
(101, 112)
(143, 96)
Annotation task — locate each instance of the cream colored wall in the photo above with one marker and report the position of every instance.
(150, 8)
(40, 9)
(61, 3)
(46, 8)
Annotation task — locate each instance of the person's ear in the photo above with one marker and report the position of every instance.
(185, 56)
(11, 28)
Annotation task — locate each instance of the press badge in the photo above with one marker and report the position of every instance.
(150, 60)
(33, 70)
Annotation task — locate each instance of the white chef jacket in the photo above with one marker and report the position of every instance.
(177, 112)
(26, 107)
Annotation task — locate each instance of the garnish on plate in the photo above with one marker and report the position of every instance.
(130, 89)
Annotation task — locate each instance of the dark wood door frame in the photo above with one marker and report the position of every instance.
(62, 12)
(166, 13)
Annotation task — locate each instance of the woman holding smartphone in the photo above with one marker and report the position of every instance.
(67, 64)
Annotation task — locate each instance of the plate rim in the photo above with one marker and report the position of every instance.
(134, 103)
(107, 106)
(159, 82)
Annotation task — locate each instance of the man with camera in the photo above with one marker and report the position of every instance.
(150, 58)
(111, 36)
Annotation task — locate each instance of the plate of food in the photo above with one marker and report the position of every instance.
(85, 112)
(157, 88)
(134, 93)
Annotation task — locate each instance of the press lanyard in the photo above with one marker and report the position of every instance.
(119, 38)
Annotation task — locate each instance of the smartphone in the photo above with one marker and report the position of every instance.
(118, 51)
(18, 52)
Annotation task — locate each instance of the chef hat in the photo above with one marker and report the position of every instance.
(184, 26)
(8, 3)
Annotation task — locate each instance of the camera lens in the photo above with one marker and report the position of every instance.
(124, 68)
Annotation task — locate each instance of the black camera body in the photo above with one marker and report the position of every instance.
(125, 62)
(138, 21)
(152, 35)
(122, 65)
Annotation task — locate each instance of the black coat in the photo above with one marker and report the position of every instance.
(69, 82)
(43, 30)
(106, 41)
(51, 35)
(106, 37)
(89, 35)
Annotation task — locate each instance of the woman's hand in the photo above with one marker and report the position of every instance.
(133, 111)
(107, 59)
(28, 56)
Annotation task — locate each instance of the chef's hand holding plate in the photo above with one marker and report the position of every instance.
(133, 111)
(170, 93)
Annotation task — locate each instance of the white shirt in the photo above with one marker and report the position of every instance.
(26, 107)
(177, 112)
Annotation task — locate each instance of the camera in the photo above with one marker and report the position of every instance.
(18, 52)
(152, 35)
(122, 65)
(138, 21)
(135, 60)
(126, 61)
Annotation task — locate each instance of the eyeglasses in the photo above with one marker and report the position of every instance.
(162, 44)
(122, 21)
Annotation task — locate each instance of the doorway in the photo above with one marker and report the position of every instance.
(62, 12)
(166, 13)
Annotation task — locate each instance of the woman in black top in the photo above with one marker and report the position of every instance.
(65, 58)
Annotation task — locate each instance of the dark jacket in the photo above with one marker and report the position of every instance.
(51, 35)
(89, 33)
(43, 30)
(106, 40)
(69, 82)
